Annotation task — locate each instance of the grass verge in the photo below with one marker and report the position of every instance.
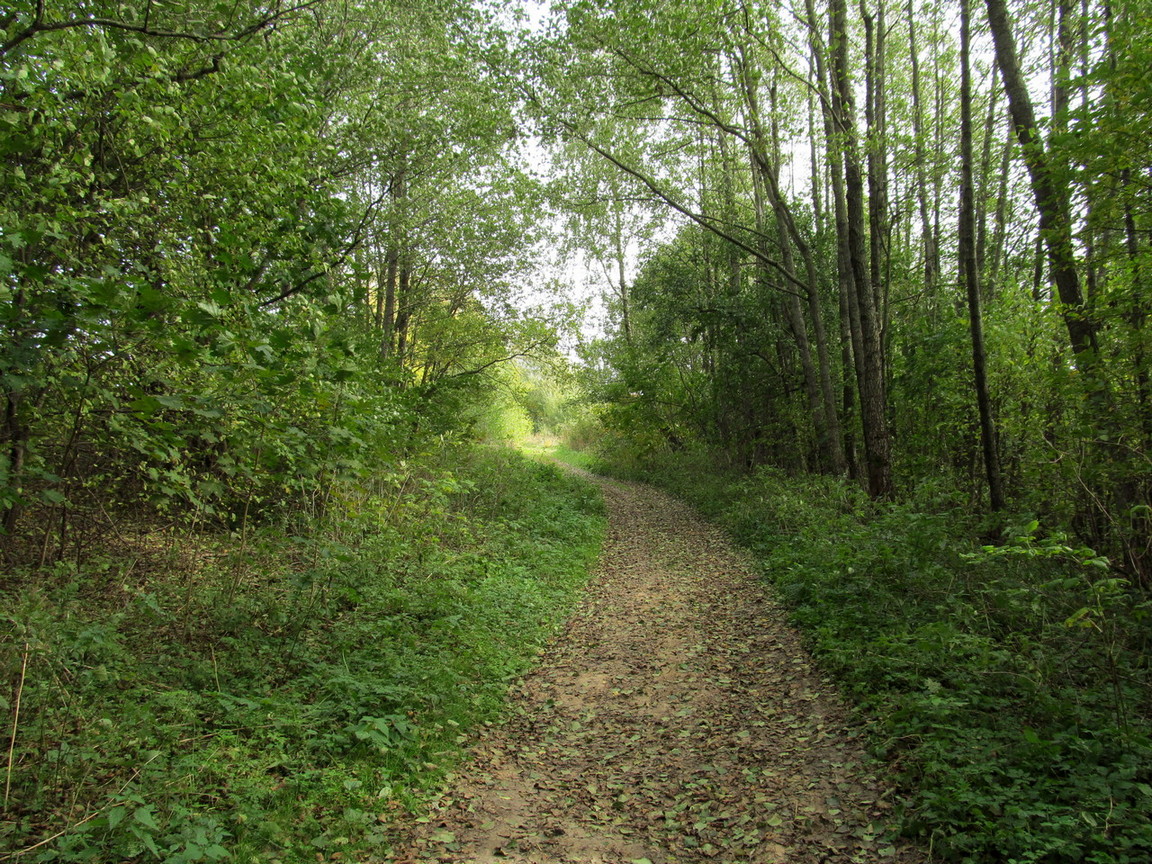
(278, 697)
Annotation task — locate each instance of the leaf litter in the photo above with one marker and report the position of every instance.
(676, 719)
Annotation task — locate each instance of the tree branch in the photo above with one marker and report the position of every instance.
(38, 26)
(525, 353)
(357, 235)
(700, 219)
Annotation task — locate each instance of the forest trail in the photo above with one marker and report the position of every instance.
(676, 719)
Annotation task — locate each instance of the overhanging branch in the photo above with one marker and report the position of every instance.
(39, 25)
(701, 220)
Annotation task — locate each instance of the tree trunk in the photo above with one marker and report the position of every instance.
(388, 313)
(985, 190)
(875, 119)
(1000, 220)
(1051, 193)
(870, 363)
(927, 238)
(388, 322)
(818, 377)
(850, 340)
(969, 269)
(403, 309)
(621, 276)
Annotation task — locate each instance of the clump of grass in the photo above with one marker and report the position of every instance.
(283, 694)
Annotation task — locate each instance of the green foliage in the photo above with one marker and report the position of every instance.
(1008, 684)
(187, 234)
(271, 697)
(255, 588)
(563, 453)
(503, 420)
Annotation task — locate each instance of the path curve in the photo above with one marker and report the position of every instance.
(676, 719)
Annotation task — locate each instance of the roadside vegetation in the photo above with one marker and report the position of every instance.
(201, 696)
(261, 276)
(1004, 679)
(876, 289)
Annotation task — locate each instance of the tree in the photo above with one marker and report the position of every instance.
(1052, 193)
(970, 271)
(861, 296)
(186, 205)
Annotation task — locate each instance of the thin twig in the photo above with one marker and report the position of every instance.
(15, 725)
(12, 856)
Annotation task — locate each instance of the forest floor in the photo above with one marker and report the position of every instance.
(676, 719)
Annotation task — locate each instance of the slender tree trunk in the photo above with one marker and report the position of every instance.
(969, 269)
(622, 277)
(739, 418)
(985, 186)
(388, 321)
(875, 119)
(403, 309)
(851, 344)
(387, 317)
(1138, 314)
(849, 337)
(931, 262)
(873, 399)
(1051, 193)
(1000, 221)
(376, 308)
(816, 173)
(818, 377)
(939, 136)
(796, 323)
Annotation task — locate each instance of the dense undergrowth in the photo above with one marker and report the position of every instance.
(275, 697)
(1008, 685)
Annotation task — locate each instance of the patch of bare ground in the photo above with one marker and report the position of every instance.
(676, 719)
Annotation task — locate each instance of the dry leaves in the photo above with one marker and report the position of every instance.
(677, 719)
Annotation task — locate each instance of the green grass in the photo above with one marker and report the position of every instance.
(546, 449)
(280, 698)
(1009, 687)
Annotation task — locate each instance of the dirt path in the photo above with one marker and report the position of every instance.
(677, 719)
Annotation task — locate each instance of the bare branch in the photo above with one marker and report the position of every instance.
(524, 353)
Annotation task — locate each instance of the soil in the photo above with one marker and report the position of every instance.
(676, 719)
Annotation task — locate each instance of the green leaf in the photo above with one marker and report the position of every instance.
(116, 815)
(145, 817)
